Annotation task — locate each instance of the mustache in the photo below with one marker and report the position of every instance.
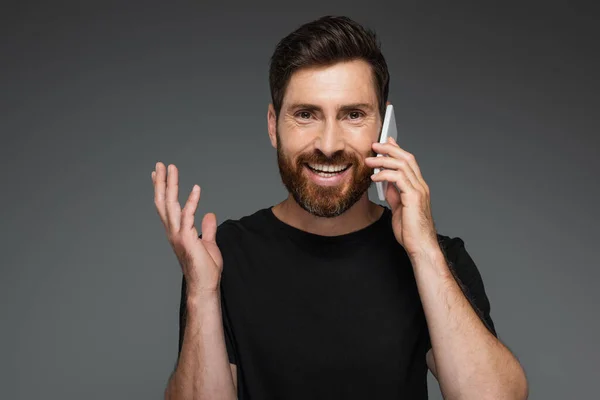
(320, 158)
(335, 159)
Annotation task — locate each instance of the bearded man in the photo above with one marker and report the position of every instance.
(326, 294)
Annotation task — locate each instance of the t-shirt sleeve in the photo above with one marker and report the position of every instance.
(183, 320)
(468, 277)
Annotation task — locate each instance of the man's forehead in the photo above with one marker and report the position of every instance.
(337, 86)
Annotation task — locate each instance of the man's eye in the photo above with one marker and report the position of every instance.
(304, 114)
(354, 114)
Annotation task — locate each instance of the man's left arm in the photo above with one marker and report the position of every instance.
(470, 362)
(466, 358)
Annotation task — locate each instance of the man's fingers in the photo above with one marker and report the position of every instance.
(209, 227)
(173, 207)
(159, 192)
(189, 210)
(392, 149)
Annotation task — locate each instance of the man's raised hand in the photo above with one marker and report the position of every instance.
(200, 258)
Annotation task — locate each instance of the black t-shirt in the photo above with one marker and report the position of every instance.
(327, 317)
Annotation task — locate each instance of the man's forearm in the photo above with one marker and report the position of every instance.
(203, 370)
(470, 362)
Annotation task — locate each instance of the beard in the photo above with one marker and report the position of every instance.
(324, 201)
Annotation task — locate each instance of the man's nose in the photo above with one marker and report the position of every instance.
(331, 139)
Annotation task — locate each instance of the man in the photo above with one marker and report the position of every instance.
(328, 295)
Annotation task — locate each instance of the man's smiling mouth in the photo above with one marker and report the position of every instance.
(327, 170)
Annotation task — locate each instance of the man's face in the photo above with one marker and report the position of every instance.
(328, 120)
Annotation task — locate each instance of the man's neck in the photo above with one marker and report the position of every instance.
(362, 214)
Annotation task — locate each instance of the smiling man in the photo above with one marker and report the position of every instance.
(323, 133)
(327, 295)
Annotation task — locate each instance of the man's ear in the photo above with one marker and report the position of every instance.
(272, 125)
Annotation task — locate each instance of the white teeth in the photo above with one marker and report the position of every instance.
(327, 168)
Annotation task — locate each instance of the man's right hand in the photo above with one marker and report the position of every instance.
(200, 258)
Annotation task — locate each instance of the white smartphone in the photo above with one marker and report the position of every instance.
(388, 129)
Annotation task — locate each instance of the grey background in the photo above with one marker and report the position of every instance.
(499, 103)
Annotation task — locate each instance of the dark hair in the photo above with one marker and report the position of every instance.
(323, 42)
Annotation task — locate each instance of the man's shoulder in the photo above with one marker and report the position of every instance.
(458, 258)
(234, 228)
(455, 252)
(450, 244)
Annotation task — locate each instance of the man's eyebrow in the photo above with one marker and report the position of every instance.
(345, 107)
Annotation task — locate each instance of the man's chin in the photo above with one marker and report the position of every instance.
(323, 210)
(333, 194)
(325, 201)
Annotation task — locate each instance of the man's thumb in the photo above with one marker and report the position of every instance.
(209, 227)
